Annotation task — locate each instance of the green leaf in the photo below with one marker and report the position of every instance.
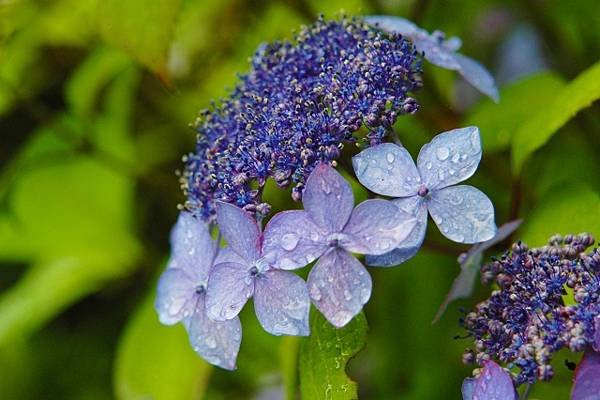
(498, 122)
(288, 358)
(537, 130)
(564, 209)
(324, 355)
(157, 362)
(144, 29)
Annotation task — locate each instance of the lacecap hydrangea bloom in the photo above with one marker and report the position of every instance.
(299, 105)
(336, 83)
(463, 213)
(548, 299)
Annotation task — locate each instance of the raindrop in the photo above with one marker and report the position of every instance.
(456, 157)
(390, 157)
(347, 295)
(429, 165)
(442, 153)
(289, 241)
(211, 342)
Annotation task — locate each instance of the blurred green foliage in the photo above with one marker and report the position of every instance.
(95, 101)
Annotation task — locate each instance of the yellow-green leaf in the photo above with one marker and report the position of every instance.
(544, 122)
(324, 355)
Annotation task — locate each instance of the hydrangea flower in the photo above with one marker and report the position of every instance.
(493, 383)
(586, 385)
(244, 270)
(463, 213)
(297, 107)
(527, 320)
(330, 228)
(182, 294)
(440, 51)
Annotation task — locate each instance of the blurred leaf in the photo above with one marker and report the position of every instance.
(141, 28)
(470, 263)
(498, 122)
(332, 8)
(567, 208)
(157, 362)
(536, 131)
(324, 355)
(69, 22)
(91, 76)
(288, 354)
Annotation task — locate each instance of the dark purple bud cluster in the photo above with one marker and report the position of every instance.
(296, 108)
(547, 299)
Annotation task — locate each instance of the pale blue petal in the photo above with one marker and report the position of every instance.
(450, 158)
(468, 387)
(175, 296)
(376, 227)
(218, 342)
(193, 249)
(597, 333)
(494, 383)
(392, 24)
(387, 169)
(292, 240)
(453, 43)
(463, 214)
(416, 207)
(339, 286)
(478, 76)
(240, 230)
(587, 385)
(229, 287)
(436, 53)
(281, 303)
(328, 198)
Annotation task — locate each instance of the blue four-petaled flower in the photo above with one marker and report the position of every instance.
(463, 213)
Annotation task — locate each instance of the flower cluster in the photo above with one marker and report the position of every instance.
(297, 107)
(205, 286)
(548, 299)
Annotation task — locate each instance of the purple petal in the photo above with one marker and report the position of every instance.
(463, 214)
(227, 255)
(392, 24)
(240, 230)
(494, 383)
(451, 157)
(328, 198)
(416, 207)
(229, 287)
(193, 247)
(282, 304)
(218, 342)
(291, 240)
(387, 169)
(478, 76)
(586, 385)
(339, 286)
(175, 296)
(376, 227)
(597, 333)
(468, 387)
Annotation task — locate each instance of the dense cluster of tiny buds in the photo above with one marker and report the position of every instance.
(299, 105)
(546, 300)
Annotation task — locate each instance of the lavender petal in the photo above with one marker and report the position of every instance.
(494, 383)
(339, 286)
(240, 230)
(478, 76)
(229, 287)
(175, 296)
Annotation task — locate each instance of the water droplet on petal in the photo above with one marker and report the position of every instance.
(456, 157)
(211, 342)
(428, 165)
(390, 157)
(347, 295)
(289, 241)
(442, 153)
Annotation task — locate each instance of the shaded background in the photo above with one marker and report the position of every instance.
(95, 101)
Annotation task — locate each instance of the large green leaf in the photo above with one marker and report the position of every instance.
(498, 122)
(324, 355)
(157, 362)
(570, 208)
(144, 29)
(536, 131)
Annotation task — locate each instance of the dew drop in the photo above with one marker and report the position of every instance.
(390, 157)
(289, 241)
(347, 295)
(211, 343)
(456, 157)
(442, 153)
(428, 165)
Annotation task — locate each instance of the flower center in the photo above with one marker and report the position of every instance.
(253, 271)
(423, 191)
(200, 289)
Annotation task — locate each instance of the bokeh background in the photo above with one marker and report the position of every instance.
(96, 97)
